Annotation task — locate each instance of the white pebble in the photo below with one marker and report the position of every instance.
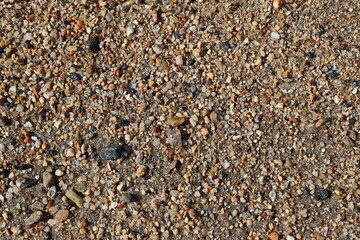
(28, 36)
(275, 35)
(59, 173)
(336, 99)
(290, 238)
(2, 147)
(272, 195)
(129, 31)
(179, 60)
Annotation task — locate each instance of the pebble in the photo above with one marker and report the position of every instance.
(174, 137)
(274, 236)
(111, 152)
(61, 216)
(129, 31)
(4, 121)
(128, 197)
(33, 218)
(272, 195)
(48, 179)
(59, 173)
(75, 198)
(29, 182)
(94, 44)
(70, 153)
(179, 60)
(322, 194)
(275, 35)
(2, 100)
(176, 121)
(142, 171)
(51, 192)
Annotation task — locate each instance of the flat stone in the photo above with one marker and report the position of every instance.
(61, 216)
(48, 179)
(111, 152)
(128, 197)
(176, 121)
(34, 218)
(275, 35)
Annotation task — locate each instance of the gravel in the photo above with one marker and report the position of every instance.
(186, 119)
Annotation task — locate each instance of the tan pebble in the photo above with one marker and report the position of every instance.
(204, 132)
(266, 99)
(61, 216)
(176, 121)
(142, 171)
(70, 152)
(258, 61)
(48, 179)
(213, 116)
(74, 197)
(277, 4)
(273, 236)
(82, 231)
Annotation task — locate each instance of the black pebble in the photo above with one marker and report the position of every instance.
(75, 76)
(111, 152)
(94, 44)
(322, 194)
(123, 122)
(357, 83)
(226, 45)
(8, 105)
(4, 121)
(29, 182)
(311, 55)
(126, 9)
(24, 166)
(333, 74)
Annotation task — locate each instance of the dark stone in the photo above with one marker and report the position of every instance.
(24, 166)
(126, 9)
(322, 194)
(94, 44)
(75, 76)
(29, 182)
(123, 122)
(111, 152)
(8, 105)
(226, 45)
(357, 83)
(352, 121)
(128, 197)
(333, 74)
(311, 55)
(4, 121)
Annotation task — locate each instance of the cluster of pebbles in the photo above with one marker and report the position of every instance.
(179, 119)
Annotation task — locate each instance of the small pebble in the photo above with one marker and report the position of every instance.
(322, 194)
(111, 152)
(48, 179)
(176, 121)
(74, 197)
(275, 35)
(59, 173)
(94, 44)
(61, 216)
(179, 60)
(33, 218)
(142, 171)
(128, 197)
(29, 182)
